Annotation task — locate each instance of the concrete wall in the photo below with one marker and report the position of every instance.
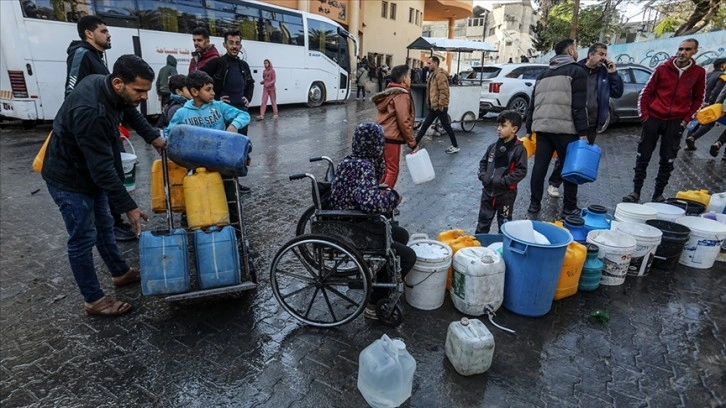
(390, 37)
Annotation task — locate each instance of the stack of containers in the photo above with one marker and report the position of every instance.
(615, 250)
(666, 212)
(456, 239)
(647, 238)
(704, 243)
(631, 212)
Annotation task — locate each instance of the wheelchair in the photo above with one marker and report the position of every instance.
(324, 276)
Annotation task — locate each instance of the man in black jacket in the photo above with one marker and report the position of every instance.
(81, 170)
(85, 56)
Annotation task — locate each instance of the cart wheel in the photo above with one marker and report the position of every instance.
(417, 124)
(438, 127)
(468, 121)
(322, 293)
(389, 313)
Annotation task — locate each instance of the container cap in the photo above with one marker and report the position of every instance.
(464, 321)
(574, 220)
(399, 344)
(592, 249)
(597, 209)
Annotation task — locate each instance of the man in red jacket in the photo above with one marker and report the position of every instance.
(666, 104)
(203, 50)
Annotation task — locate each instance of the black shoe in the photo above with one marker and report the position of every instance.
(123, 234)
(713, 151)
(631, 198)
(534, 208)
(573, 211)
(244, 189)
(658, 199)
(690, 143)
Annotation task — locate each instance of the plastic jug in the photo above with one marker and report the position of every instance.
(478, 280)
(591, 270)
(456, 239)
(576, 225)
(205, 199)
(717, 203)
(581, 162)
(529, 145)
(469, 346)
(710, 114)
(596, 217)
(699, 196)
(216, 150)
(176, 181)
(420, 167)
(385, 373)
(571, 270)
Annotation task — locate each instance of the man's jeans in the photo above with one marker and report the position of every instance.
(88, 222)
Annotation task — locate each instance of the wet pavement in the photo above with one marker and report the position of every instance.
(664, 345)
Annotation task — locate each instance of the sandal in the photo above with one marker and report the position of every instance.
(107, 307)
(631, 198)
(132, 276)
(714, 149)
(260, 117)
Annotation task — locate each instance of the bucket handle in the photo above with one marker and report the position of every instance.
(418, 236)
(520, 251)
(126, 139)
(422, 280)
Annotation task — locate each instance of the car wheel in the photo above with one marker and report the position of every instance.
(316, 94)
(519, 104)
(613, 117)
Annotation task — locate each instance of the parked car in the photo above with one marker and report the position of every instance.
(505, 86)
(625, 108)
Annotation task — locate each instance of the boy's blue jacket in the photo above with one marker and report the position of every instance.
(213, 115)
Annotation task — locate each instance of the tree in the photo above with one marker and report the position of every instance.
(591, 23)
(688, 17)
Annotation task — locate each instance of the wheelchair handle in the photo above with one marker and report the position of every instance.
(298, 176)
(316, 159)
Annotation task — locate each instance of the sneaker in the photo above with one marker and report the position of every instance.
(658, 199)
(553, 191)
(370, 314)
(713, 151)
(244, 189)
(452, 149)
(690, 143)
(123, 234)
(573, 211)
(631, 198)
(534, 208)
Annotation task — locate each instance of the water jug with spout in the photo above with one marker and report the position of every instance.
(596, 217)
(385, 373)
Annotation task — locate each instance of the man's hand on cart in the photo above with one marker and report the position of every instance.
(135, 216)
(159, 143)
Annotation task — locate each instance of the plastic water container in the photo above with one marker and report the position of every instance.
(699, 196)
(596, 217)
(176, 181)
(216, 257)
(571, 269)
(632, 212)
(671, 245)
(704, 243)
(529, 145)
(532, 269)
(216, 150)
(647, 238)
(689, 206)
(456, 239)
(591, 270)
(164, 262)
(710, 114)
(581, 162)
(128, 161)
(667, 212)
(722, 219)
(426, 281)
(420, 167)
(205, 200)
(491, 241)
(717, 203)
(576, 225)
(616, 249)
(469, 346)
(385, 373)
(478, 280)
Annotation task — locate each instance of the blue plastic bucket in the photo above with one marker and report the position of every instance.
(581, 162)
(533, 269)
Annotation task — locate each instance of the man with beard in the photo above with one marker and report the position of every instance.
(81, 170)
(203, 50)
(85, 56)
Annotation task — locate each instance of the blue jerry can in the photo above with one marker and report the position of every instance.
(217, 257)
(216, 150)
(581, 162)
(164, 262)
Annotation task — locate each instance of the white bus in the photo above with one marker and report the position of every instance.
(313, 56)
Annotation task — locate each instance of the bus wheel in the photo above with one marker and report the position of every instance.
(316, 94)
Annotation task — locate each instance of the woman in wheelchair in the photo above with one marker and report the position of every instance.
(356, 187)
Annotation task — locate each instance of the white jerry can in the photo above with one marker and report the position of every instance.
(469, 346)
(478, 280)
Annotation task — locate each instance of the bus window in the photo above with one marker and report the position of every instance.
(67, 10)
(119, 13)
(177, 16)
(324, 38)
(221, 18)
(292, 29)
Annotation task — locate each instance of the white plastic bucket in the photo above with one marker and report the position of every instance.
(722, 219)
(478, 280)
(704, 244)
(128, 161)
(420, 167)
(667, 212)
(631, 212)
(426, 282)
(616, 249)
(647, 238)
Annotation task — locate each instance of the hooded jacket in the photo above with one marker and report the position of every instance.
(213, 115)
(83, 154)
(218, 68)
(559, 99)
(355, 185)
(268, 78)
(503, 166)
(83, 60)
(162, 83)
(200, 58)
(608, 86)
(396, 114)
(176, 102)
(671, 95)
(437, 88)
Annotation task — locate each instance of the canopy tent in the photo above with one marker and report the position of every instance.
(449, 45)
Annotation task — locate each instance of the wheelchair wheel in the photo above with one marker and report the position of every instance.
(303, 225)
(324, 292)
(389, 313)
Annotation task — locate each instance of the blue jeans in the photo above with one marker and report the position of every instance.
(88, 222)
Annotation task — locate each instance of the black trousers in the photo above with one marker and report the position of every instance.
(547, 144)
(408, 260)
(502, 206)
(359, 90)
(701, 130)
(443, 116)
(669, 132)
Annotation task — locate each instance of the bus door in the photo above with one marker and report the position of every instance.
(19, 88)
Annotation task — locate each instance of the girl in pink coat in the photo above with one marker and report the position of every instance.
(268, 89)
